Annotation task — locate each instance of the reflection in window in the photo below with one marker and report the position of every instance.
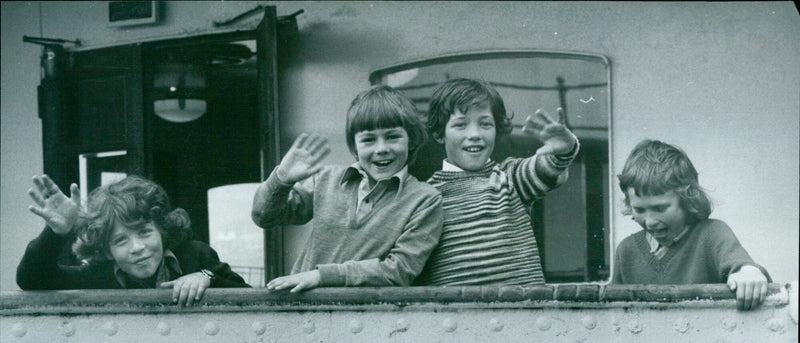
(571, 222)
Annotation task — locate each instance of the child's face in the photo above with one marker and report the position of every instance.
(660, 215)
(382, 152)
(137, 252)
(469, 138)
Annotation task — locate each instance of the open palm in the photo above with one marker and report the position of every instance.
(60, 212)
(557, 138)
(303, 158)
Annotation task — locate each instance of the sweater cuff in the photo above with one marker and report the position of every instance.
(762, 269)
(331, 275)
(275, 185)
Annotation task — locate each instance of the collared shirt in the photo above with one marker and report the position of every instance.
(367, 197)
(660, 250)
(172, 270)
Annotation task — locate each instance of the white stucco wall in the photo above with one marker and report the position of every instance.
(721, 80)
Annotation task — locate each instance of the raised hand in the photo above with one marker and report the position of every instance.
(298, 282)
(750, 286)
(303, 158)
(59, 212)
(557, 138)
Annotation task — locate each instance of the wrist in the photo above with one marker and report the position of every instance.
(281, 175)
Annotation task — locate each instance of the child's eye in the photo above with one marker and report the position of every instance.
(366, 140)
(458, 125)
(146, 232)
(660, 209)
(487, 125)
(119, 241)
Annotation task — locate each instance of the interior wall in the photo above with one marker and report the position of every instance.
(720, 80)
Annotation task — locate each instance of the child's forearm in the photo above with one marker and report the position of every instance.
(274, 205)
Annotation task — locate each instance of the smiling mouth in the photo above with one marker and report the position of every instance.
(141, 260)
(383, 163)
(473, 149)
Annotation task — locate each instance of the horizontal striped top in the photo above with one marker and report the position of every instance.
(487, 238)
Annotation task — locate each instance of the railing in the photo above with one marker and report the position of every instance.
(581, 312)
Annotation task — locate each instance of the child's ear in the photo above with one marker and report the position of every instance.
(438, 138)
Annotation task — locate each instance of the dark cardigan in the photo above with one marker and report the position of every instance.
(40, 269)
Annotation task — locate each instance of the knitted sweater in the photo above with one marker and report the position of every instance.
(707, 254)
(388, 247)
(487, 236)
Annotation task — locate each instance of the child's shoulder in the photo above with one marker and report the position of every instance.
(412, 184)
(714, 227)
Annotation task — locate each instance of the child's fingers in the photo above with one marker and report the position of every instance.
(191, 294)
(201, 291)
(183, 292)
(37, 181)
(50, 186)
(562, 116)
(317, 142)
(38, 211)
(300, 141)
(320, 155)
(731, 284)
(543, 117)
(300, 286)
(36, 196)
(75, 194)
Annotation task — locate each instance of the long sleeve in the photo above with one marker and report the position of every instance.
(404, 260)
(278, 203)
(534, 176)
(729, 255)
(196, 255)
(38, 269)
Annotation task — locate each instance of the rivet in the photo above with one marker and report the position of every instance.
(110, 328)
(67, 329)
(589, 322)
(211, 328)
(402, 325)
(308, 326)
(18, 330)
(729, 324)
(635, 326)
(495, 324)
(163, 328)
(259, 328)
(449, 325)
(356, 326)
(681, 325)
(775, 325)
(543, 323)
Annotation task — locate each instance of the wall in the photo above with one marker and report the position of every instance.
(720, 80)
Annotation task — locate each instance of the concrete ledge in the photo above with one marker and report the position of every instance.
(379, 299)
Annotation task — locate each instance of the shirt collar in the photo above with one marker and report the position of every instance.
(163, 274)
(355, 171)
(447, 166)
(654, 245)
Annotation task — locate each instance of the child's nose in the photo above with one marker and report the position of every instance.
(136, 245)
(473, 132)
(381, 147)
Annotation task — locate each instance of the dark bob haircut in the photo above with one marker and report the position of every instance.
(383, 107)
(462, 94)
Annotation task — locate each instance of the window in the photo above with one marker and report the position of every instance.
(572, 222)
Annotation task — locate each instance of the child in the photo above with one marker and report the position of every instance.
(487, 236)
(130, 237)
(679, 243)
(374, 224)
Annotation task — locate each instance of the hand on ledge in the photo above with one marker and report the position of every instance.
(750, 286)
(300, 281)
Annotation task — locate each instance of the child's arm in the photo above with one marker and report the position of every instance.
(750, 285)
(742, 274)
(547, 169)
(276, 200)
(189, 288)
(399, 267)
(38, 268)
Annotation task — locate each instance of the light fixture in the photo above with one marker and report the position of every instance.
(179, 92)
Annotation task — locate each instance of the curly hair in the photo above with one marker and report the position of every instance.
(383, 107)
(654, 168)
(132, 202)
(462, 94)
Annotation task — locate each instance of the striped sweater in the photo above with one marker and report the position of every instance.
(487, 236)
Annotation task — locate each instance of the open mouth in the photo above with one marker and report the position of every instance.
(382, 163)
(473, 148)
